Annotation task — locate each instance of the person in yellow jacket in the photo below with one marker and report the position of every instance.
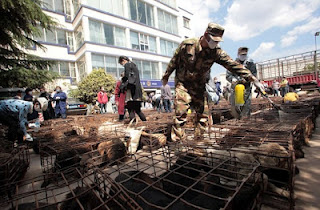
(290, 97)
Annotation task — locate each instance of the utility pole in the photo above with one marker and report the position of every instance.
(315, 56)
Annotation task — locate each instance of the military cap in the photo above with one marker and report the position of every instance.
(243, 50)
(215, 32)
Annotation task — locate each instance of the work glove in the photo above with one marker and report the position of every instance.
(259, 86)
(58, 98)
(27, 137)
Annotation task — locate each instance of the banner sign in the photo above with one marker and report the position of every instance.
(155, 84)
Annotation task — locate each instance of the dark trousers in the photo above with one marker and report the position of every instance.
(103, 108)
(63, 116)
(167, 105)
(134, 107)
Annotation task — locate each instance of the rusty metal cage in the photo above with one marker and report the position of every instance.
(84, 191)
(13, 166)
(185, 175)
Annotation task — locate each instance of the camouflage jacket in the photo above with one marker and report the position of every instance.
(192, 63)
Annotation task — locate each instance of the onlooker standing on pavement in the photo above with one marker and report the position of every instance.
(166, 97)
(120, 97)
(131, 81)
(49, 113)
(28, 96)
(284, 86)
(103, 100)
(275, 88)
(61, 103)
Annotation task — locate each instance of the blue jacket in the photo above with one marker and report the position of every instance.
(61, 104)
(13, 112)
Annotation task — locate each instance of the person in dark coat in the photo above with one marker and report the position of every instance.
(49, 113)
(131, 82)
(28, 95)
(61, 103)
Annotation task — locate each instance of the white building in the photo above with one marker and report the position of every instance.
(94, 33)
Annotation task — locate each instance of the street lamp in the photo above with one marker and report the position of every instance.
(315, 39)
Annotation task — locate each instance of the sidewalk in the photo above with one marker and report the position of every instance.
(307, 183)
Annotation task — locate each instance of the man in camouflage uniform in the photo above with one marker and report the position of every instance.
(234, 79)
(192, 61)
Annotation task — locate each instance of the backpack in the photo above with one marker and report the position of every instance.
(132, 76)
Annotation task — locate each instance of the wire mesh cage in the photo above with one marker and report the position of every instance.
(180, 176)
(84, 191)
(13, 166)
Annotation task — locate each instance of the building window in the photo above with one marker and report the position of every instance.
(142, 42)
(55, 5)
(167, 22)
(55, 36)
(171, 3)
(147, 69)
(107, 34)
(186, 22)
(81, 63)
(70, 41)
(108, 63)
(164, 68)
(79, 36)
(64, 69)
(111, 6)
(167, 48)
(141, 12)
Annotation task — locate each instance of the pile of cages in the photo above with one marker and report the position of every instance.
(13, 167)
(186, 175)
(81, 191)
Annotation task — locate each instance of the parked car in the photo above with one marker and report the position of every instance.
(9, 93)
(76, 107)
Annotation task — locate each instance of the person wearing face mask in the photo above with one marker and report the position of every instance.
(244, 110)
(192, 61)
(61, 103)
(13, 113)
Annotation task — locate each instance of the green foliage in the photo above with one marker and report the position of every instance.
(19, 24)
(89, 87)
(310, 67)
(21, 77)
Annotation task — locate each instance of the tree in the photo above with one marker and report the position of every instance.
(21, 77)
(19, 25)
(90, 86)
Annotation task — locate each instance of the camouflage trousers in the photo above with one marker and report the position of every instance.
(184, 100)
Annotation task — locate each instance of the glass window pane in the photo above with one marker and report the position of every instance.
(111, 65)
(48, 4)
(72, 69)
(51, 36)
(64, 69)
(169, 48)
(152, 44)
(97, 61)
(161, 21)
(168, 22)
(54, 68)
(142, 12)
(70, 40)
(174, 24)
(146, 70)
(163, 47)
(120, 37)
(58, 5)
(139, 66)
(61, 34)
(108, 34)
(150, 21)
(133, 9)
(41, 36)
(134, 40)
(106, 5)
(155, 70)
(79, 37)
(95, 3)
(117, 7)
(95, 31)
